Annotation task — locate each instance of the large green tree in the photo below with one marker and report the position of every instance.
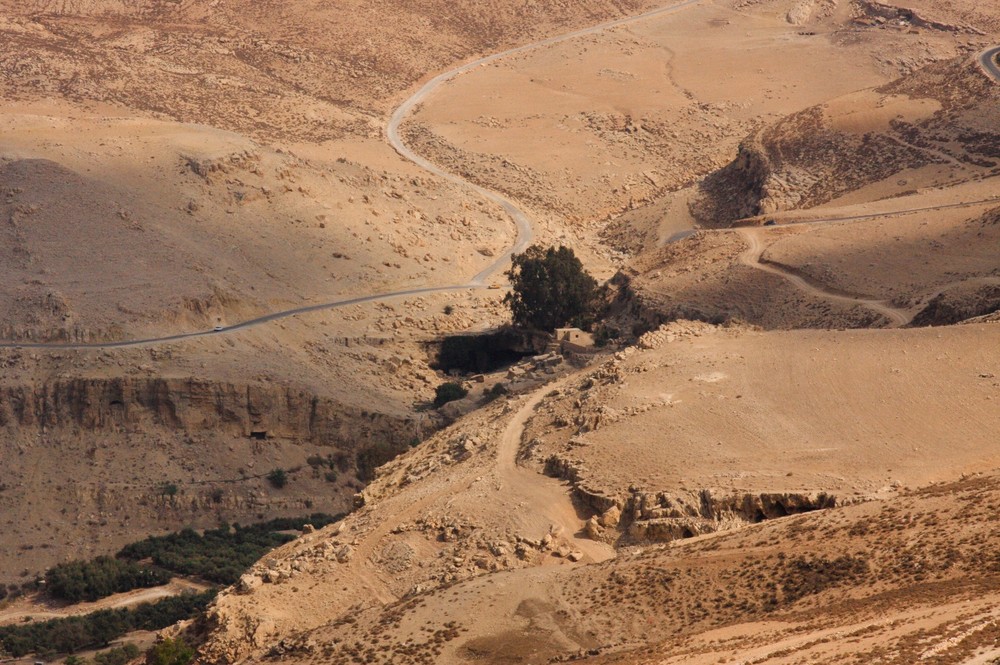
(550, 289)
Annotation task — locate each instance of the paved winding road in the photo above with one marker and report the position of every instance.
(479, 281)
(520, 219)
(988, 60)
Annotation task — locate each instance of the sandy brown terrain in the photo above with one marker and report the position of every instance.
(458, 508)
(736, 491)
(169, 187)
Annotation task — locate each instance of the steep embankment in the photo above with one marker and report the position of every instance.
(934, 127)
(906, 580)
(93, 463)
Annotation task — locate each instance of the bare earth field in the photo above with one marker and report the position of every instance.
(788, 456)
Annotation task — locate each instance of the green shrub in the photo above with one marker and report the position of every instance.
(372, 457)
(448, 392)
(118, 655)
(219, 555)
(498, 390)
(98, 629)
(605, 335)
(101, 577)
(278, 478)
(170, 652)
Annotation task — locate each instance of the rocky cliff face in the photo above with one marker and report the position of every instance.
(643, 516)
(91, 464)
(816, 155)
(260, 410)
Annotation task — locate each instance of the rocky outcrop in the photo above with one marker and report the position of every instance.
(101, 462)
(881, 12)
(959, 304)
(259, 410)
(641, 516)
(735, 191)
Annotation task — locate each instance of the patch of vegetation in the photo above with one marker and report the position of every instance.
(808, 576)
(98, 578)
(448, 392)
(117, 656)
(167, 490)
(551, 289)
(498, 390)
(219, 555)
(98, 629)
(372, 457)
(278, 478)
(170, 652)
(605, 335)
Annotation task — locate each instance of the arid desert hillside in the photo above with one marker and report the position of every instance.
(237, 237)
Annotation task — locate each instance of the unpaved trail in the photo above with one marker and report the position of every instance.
(544, 495)
(21, 611)
(752, 258)
(533, 497)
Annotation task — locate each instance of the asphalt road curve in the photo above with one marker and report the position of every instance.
(988, 60)
(479, 281)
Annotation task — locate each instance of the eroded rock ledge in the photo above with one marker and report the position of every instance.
(644, 516)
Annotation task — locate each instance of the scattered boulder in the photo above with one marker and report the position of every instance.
(248, 583)
(592, 529)
(610, 518)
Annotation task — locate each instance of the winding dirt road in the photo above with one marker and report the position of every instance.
(547, 497)
(522, 223)
(752, 258)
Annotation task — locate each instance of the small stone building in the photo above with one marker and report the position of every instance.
(574, 340)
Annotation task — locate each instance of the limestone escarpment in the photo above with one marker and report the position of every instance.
(273, 411)
(651, 516)
(941, 115)
(94, 463)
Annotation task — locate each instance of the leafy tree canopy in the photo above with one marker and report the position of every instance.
(550, 289)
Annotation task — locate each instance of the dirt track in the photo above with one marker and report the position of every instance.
(752, 258)
(23, 610)
(540, 493)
